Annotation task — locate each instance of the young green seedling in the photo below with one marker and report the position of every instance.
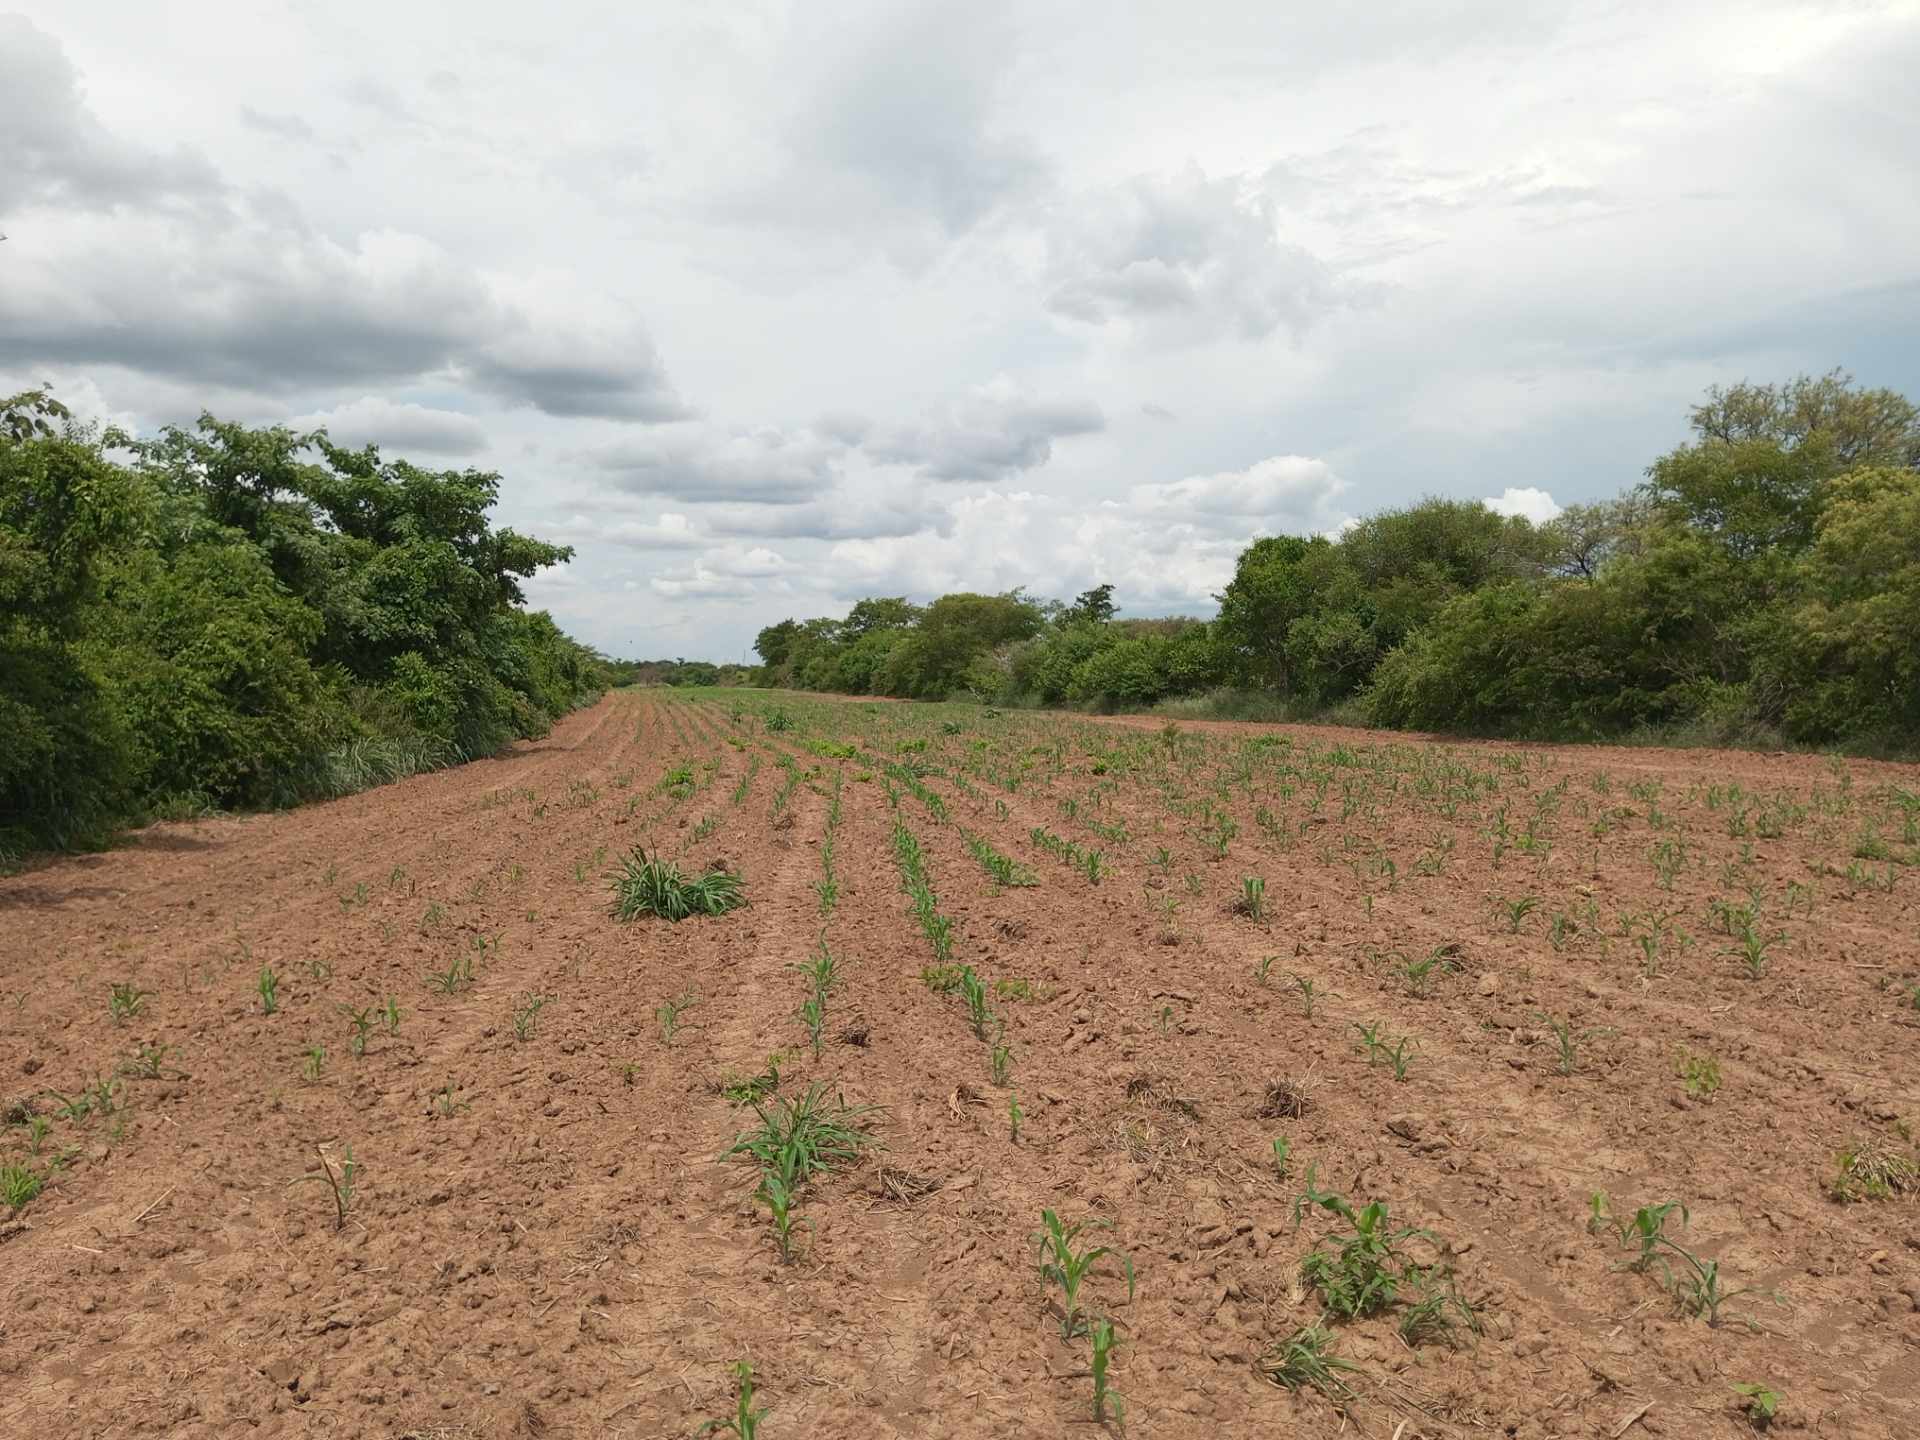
(744, 1423)
(1105, 1398)
(124, 1001)
(340, 1181)
(526, 1015)
(361, 1023)
(1282, 1157)
(668, 1013)
(1763, 1403)
(269, 989)
(1069, 1267)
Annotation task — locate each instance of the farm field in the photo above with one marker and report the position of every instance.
(373, 1118)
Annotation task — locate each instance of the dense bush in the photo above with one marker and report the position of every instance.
(1762, 583)
(225, 616)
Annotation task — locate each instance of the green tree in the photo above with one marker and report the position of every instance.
(1094, 606)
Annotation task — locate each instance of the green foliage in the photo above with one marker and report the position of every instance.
(249, 617)
(744, 1423)
(655, 886)
(1068, 1264)
(1763, 1403)
(1305, 1360)
(1361, 1273)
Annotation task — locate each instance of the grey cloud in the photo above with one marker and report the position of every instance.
(397, 428)
(242, 290)
(282, 127)
(245, 304)
(764, 466)
(893, 120)
(633, 386)
(58, 153)
(844, 426)
(891, 511)
(910, 112)
(993, 433)
(1188, 258)
(669, 532)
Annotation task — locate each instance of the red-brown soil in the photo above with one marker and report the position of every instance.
(543, 1241)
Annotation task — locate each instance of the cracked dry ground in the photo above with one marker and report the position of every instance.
(543, 1241)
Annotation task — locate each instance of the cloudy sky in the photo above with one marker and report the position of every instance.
(768, 306)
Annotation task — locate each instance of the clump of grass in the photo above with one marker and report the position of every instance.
(795, 1141)
(1700, 1074)
(1869, 1170)
(656, 886)
(1305, 1361)
(807, 1136)
(20, 1185)
(1362, 1272)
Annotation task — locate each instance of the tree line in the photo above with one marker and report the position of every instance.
(1761, 583)
(224, 616)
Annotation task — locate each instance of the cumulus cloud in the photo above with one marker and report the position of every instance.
(574, 376)
(1171, 544)
(728, 572)
(1526, 502)
(891, 122)
(993, 431)
(1285, 492)
(1185, 258)
(57, 152)
(149, 262)
(670, 532)
(397, 428)
(768, 466)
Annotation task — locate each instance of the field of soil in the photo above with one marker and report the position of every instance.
(1480, 985)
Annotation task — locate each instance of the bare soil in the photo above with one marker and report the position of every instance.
(544, 1241)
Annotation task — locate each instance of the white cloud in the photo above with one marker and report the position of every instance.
(726, 572)
(993, 431)
(1292, 493)
(1528, 502)
(397, 428)
(711, 280)
(770, 466)
(1171, 544)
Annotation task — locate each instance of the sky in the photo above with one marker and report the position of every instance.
(765, 307)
